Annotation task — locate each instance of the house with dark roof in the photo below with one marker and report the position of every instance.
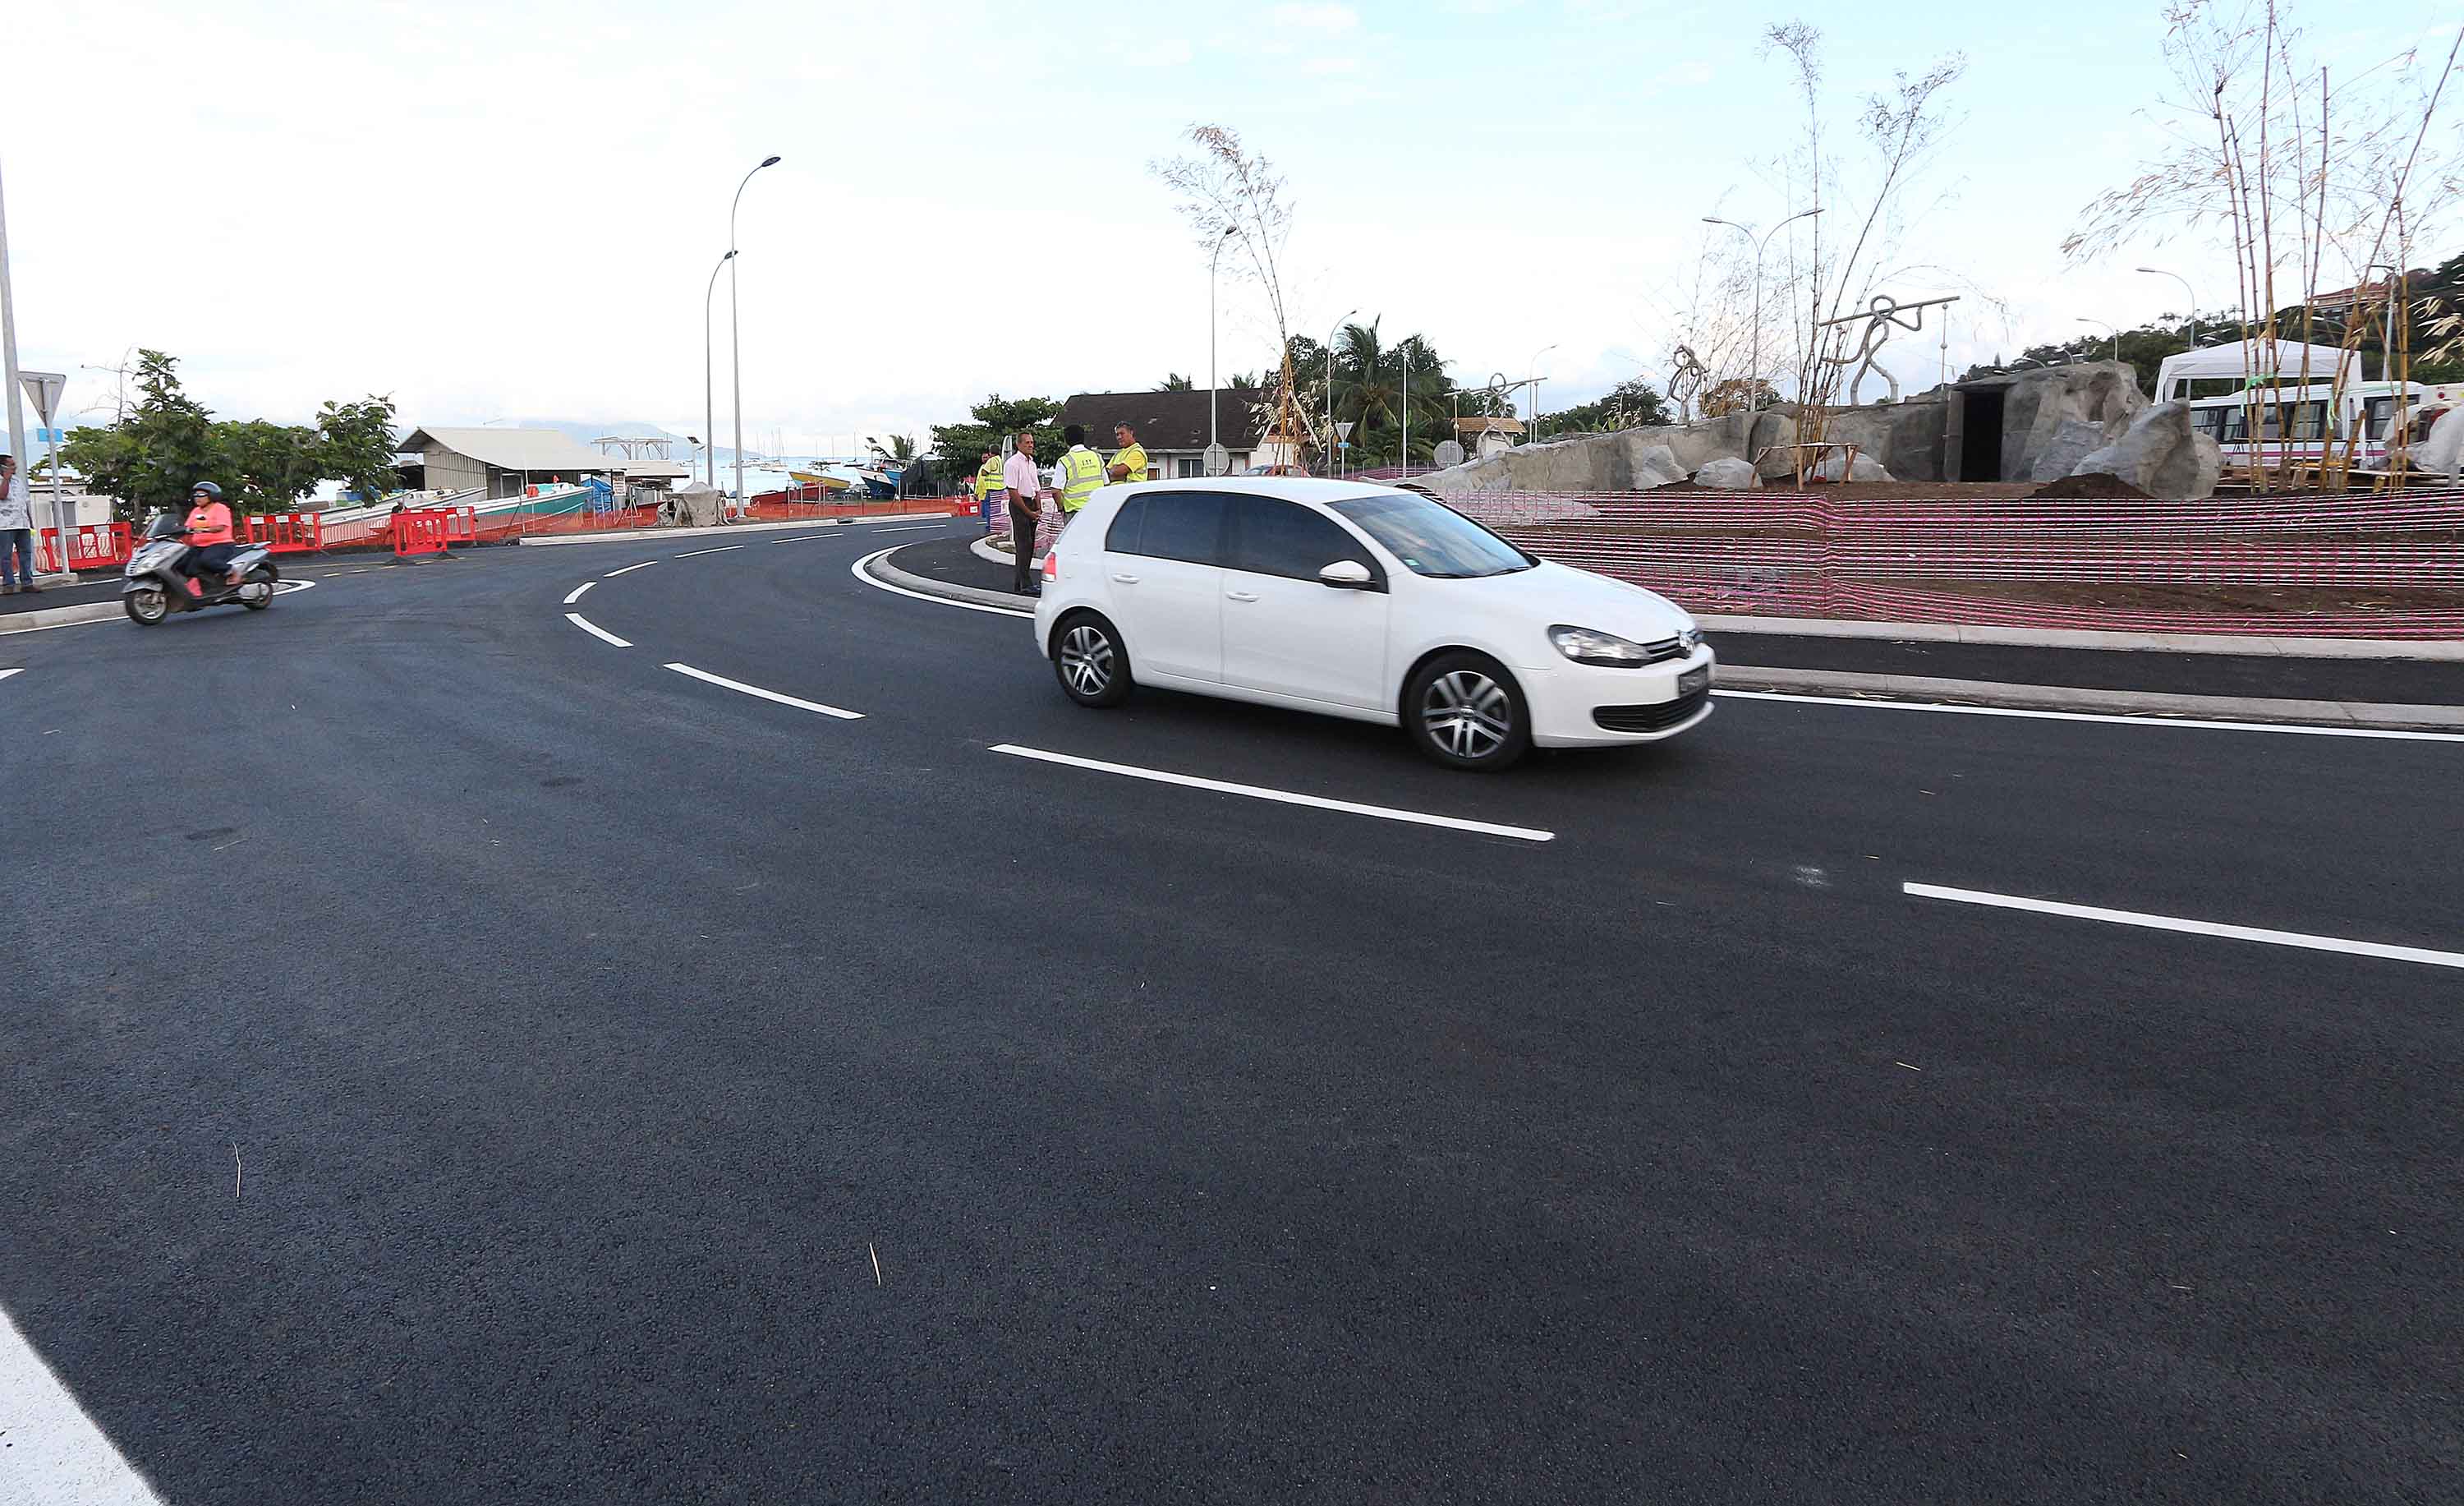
(1173, 426)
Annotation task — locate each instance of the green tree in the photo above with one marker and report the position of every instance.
(1633, 404)
(1174, 381)
(164, 446)
(267, 468)
(995, 418)
(355, 444)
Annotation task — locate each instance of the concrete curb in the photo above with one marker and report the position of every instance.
(59, 617)
(889, 574)
(2253, 644)
(2063, 698)
(636, 535)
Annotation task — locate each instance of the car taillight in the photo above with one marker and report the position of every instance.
(1052, 565)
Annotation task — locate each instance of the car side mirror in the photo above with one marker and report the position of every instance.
(1347, 575)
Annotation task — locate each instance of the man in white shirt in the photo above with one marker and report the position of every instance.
(1024, 484)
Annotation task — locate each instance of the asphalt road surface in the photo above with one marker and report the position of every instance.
(448, 1056)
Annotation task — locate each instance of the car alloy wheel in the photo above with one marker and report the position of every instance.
(1087, 660)
(1469, 715)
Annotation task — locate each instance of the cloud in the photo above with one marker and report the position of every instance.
(1323, 20)
(1330, 66)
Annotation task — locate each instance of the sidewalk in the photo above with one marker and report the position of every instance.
(2267, 682)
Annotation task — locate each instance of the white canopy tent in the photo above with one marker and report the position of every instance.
(2236, 363)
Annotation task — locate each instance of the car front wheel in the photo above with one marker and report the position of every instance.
(1088, 659)
(1465, 712)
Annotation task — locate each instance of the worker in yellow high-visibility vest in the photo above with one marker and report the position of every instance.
(1130, 461)
(988, 486)
(1082, 472)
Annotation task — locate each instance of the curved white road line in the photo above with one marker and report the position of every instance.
(4, 673)
(2110, 717)
(1286, 797)
(577, 590)
(594, 629)
(862, 574)
(695, 554)
(742, 688)
(630, 568)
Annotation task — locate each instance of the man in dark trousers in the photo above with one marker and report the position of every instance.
(1024, 484)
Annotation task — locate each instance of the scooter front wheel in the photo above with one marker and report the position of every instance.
(146, 606)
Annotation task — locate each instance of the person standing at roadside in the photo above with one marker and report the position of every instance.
(1082, 472)
(1129, 462)
(1024, 485)
(988, 487)
(16, 532)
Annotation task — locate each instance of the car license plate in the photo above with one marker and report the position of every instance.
(1693, 680)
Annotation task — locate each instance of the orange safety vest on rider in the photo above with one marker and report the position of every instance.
(209, 523)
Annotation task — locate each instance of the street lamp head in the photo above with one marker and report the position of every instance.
(730, 256)
(2159, 271)
(769, 162)
(1714, 219)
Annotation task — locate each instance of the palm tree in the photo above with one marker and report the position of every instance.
(1174, 381)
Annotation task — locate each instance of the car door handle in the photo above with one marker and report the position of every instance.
(1242, 596)
(1126, 579)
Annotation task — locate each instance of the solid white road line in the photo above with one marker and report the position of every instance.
(865, 576)
(767, 695)
(54, 1453)
(1281, 796)
(807, 538)
(2094, 716)
(594, 629)
(630, 568)
(577, 590)
(2160, 923)
(4, 673)
(695, 554)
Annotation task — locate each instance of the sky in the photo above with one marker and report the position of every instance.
(504, 209)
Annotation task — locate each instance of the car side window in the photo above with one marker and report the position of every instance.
(1122, 538)
(1276, 537)
(1182, 525)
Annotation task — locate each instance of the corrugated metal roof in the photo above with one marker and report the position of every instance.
(513, 448)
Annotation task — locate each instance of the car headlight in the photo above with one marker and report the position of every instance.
(1690, 637)
(1591, 646)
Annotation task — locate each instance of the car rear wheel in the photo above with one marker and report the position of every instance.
(1465, 712)
(1088, 659)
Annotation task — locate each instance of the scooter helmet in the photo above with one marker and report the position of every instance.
(208, 489)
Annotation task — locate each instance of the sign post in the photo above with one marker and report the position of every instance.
(45, 389)
(1342, 442)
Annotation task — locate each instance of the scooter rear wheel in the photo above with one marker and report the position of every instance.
(256, 592)
(147, 607)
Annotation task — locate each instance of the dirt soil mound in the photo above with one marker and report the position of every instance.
(2096, 486)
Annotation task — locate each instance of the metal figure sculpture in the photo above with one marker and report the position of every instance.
(1686, 382)
(1881, 316)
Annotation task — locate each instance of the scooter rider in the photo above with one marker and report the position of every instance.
(208, 528)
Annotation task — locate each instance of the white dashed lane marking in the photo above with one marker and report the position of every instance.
(630, 568)
(577, 590)
(595, 630)
(2165, 922)
(695, 554)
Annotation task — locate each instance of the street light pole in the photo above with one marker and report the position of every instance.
(1756, 373)
(709, 407)
(1535, 369)
(2159, 272)
(2108, 324)
(1212, 258)
(17, 396)
(1406, 351)
(1329, 379)
(736, 330)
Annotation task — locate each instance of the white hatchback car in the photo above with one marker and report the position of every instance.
(1366, 602)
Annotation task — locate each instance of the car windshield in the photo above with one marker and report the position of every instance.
(1430, 539)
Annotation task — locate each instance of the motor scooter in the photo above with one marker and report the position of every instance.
(154, 586)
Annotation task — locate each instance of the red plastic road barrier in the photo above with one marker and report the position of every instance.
(286, 533)
(420, 533)
(461, 524)
(92, 547)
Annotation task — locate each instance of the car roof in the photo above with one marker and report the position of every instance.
(1289, 488)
